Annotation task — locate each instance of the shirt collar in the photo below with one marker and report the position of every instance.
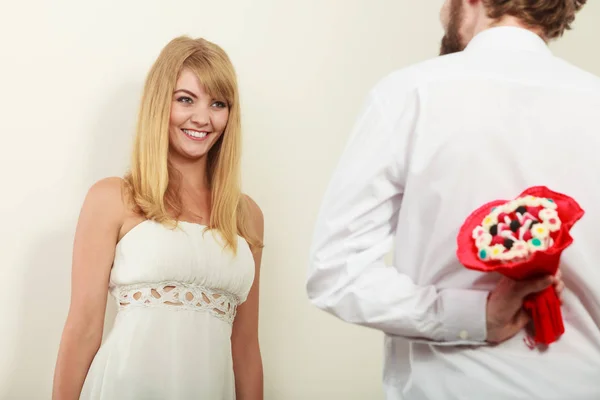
(508, 38)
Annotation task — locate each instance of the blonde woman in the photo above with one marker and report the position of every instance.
(177, 244)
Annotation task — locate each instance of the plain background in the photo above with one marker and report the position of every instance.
(70, 81)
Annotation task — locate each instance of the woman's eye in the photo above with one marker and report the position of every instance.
(185, 99)
(219, 104)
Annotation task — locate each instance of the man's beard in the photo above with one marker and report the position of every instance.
(452, 41)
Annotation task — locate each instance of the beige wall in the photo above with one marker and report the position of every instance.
(71, 78)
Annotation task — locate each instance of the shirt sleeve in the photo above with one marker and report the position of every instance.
(347, 274)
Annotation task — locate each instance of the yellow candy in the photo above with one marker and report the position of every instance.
(488, 221)
(539, 231)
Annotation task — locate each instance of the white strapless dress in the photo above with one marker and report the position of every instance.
(177, 292)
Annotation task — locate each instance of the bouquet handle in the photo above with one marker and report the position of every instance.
(544, 308)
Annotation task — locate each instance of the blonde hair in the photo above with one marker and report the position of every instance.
(152, 183)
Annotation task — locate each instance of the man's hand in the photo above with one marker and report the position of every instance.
(505, 313)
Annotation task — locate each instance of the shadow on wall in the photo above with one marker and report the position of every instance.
(43, 307)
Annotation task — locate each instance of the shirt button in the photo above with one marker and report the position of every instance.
(464, 335)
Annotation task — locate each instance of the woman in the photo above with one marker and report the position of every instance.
(178, 246)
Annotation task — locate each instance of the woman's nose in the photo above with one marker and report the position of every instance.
(201, 116)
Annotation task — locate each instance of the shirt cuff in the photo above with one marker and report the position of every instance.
(462, 317)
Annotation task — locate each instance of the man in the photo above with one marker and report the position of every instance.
(434, 142)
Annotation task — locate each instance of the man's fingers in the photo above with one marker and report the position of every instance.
(558, 275)
(524, 288)
(560, 286)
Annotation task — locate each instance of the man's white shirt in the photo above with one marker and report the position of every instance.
(434, 142)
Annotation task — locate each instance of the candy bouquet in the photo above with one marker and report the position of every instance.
(523, 239)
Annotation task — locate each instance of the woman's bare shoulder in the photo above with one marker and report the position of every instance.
(255, 216)
(108, 198)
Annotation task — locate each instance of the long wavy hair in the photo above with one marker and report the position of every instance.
(152, 183)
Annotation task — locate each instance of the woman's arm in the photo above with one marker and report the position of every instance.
(247, 361)
(97, 233)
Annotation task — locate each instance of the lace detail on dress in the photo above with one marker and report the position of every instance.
(221, 304)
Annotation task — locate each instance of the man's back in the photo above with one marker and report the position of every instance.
(434, 142)
(489, 122)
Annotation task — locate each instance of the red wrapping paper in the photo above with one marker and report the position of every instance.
(544, 307)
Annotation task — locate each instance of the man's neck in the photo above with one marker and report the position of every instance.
(508, 21)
